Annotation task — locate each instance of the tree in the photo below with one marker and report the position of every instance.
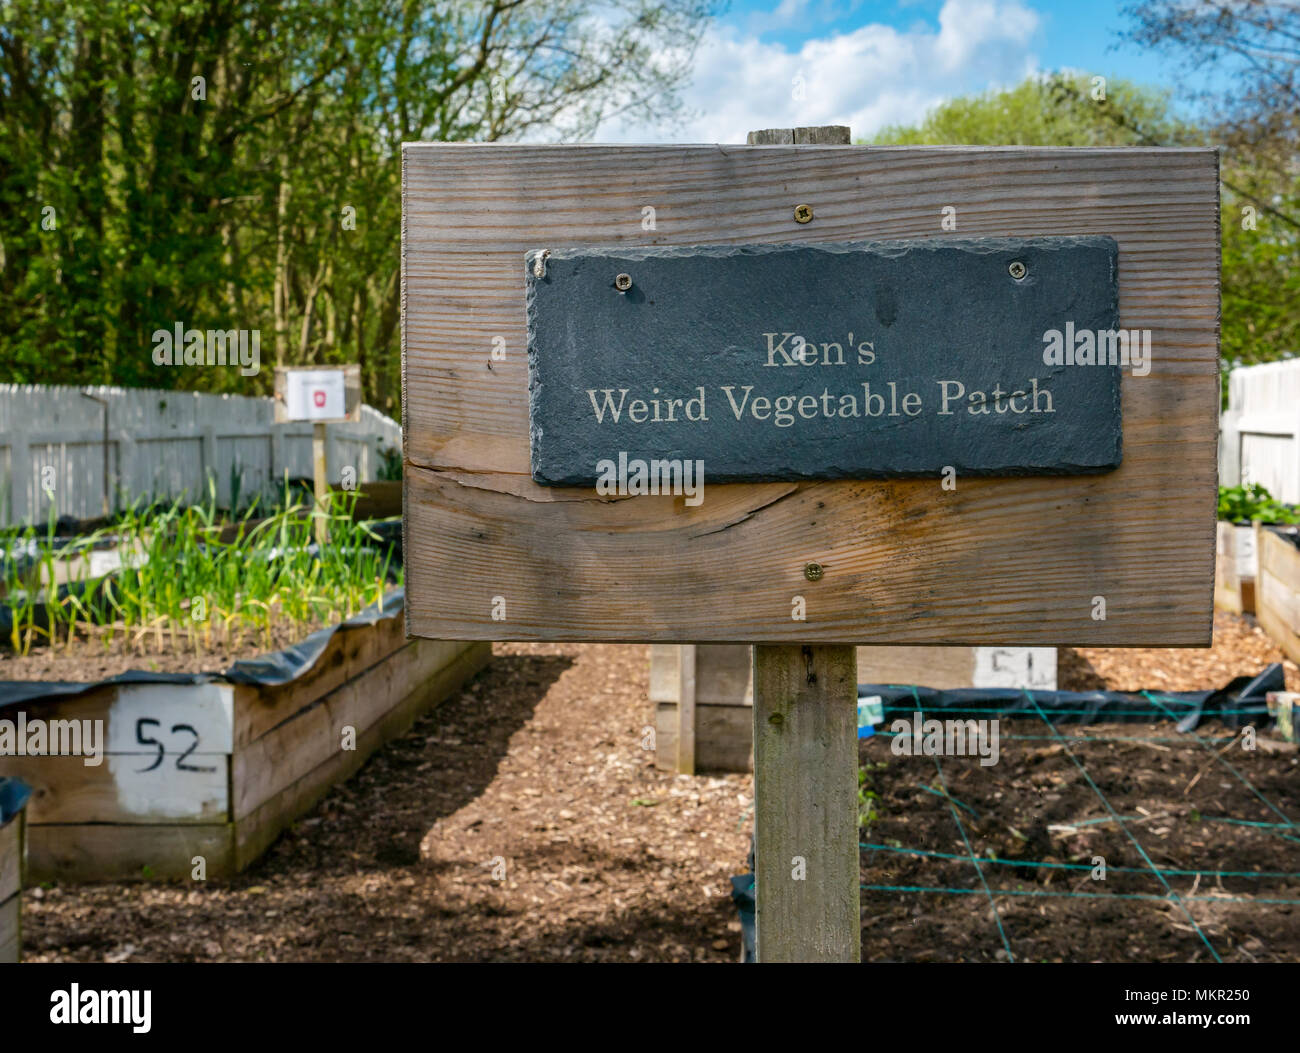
(1241, 59)
(1058, 109)
(235, 164)
(1261, 286)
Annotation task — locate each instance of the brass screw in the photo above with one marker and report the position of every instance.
(813, 571)
(803, 213)
(1017, 270)
(623, 282)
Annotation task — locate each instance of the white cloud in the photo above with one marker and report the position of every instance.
(969, 26)
(873, 76)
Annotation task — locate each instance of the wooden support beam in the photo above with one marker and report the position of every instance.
(909, 562)
(686, 709)
(824, 135)
(321, 484)
(806, 772)
(806, 803)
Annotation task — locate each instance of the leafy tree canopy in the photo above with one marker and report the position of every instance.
(235, 164)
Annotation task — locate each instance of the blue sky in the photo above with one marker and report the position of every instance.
(867, 63)
(1079, 33)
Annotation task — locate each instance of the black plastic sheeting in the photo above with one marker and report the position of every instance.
(13, 795)
(87, 592)
(278, 667)
(1240, 702)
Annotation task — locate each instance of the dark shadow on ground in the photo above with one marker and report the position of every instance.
(379, 816)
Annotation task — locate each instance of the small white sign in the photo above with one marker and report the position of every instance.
(1032, 668)
(315, 394)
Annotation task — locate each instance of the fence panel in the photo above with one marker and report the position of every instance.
(159, 443)
(1259, 433)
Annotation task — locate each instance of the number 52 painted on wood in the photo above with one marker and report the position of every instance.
(146, 740)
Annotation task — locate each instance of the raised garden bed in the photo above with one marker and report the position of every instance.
(1277, 594)
(217, 766)
(1235, 568)
(703, 693)
(13, 800)
(1242, 509)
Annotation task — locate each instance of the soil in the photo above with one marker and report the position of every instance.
(524, 821)
(1037, 805)
(88, 660)
(539, 764)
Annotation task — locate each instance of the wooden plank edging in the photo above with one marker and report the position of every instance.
(92, 833)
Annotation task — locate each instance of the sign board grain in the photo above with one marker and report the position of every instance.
(1017, 560)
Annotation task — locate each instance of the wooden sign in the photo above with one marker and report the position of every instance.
(321, 394)
(768, 363)
(1113, 557)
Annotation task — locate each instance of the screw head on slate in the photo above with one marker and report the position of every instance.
(803, 213)
(622, 282)
(1017, 270)
(813, 571)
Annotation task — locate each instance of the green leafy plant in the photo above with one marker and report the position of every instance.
(868, 812)
(1242, 504)
(195, 198)
(192, 578)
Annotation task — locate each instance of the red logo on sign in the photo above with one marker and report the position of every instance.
(318, 397)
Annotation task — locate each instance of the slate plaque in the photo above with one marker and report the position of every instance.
(830, 361)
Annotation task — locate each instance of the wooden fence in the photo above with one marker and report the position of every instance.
(86, 445)
(1259, 432)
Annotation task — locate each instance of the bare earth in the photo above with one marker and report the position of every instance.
(87, 661)
(524, 821)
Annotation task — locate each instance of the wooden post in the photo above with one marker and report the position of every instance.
(481, 482)
(686, 709)
(806, 803)
(320, 482)
(806, 771)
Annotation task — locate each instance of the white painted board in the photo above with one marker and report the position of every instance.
(1025, 668)
(184, 717)
(315, 394)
